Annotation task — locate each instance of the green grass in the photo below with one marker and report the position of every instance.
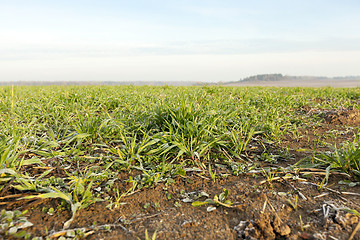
(160, 131)
(345, 159)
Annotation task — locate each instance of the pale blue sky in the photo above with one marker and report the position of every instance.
(184, 40)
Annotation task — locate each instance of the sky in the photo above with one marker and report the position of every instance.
(183, 40)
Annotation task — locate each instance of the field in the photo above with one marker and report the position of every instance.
(300, 83)
(209, 162)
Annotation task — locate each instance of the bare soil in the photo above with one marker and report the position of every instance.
(260, 210)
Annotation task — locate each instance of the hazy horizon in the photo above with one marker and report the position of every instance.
(207, 41)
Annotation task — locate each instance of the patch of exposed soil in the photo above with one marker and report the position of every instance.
(343, 117)
(261, 211)
(333, 127)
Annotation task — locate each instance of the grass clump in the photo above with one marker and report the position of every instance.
(345, 159)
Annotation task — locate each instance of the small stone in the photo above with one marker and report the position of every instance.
(189, 223)
(241, 226)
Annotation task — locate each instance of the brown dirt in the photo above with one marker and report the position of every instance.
(261, 209)
(343, 117)
(334, 127)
